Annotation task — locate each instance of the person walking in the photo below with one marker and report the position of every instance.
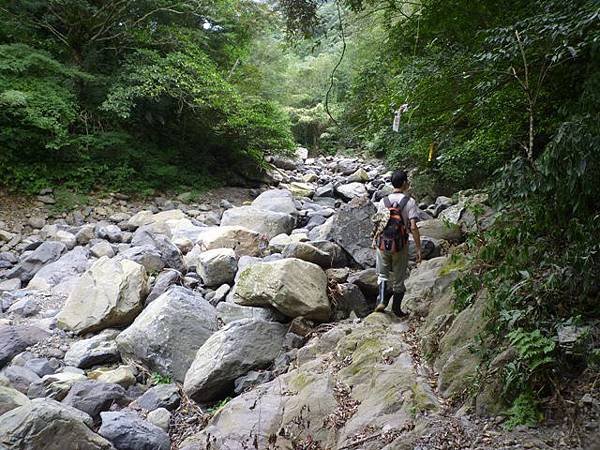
(398, 216)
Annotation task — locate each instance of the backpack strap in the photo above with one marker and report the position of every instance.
(403, 202)
(388, 204)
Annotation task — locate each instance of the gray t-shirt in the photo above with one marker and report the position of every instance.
(410, 211)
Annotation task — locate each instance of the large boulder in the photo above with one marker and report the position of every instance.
(45, 254)
(128, 431)
(110, 294)
(352, 228)
(170, 254)
(241, 239)
(307, 252)
(15, 339)
(230, 312)
(69, 266)
(147, 217)
(292, 286)
(147, 256)
(160, 396)
(278, 200)
(45, 424)
(241, 346)
(97, 350)
(56, 385)
(351, 190)
(93, 397)
(167, 334)
(438, 229)
(217, 267)
(425, 283)
(163, 281)
(21, 378)
(10, 399)
(265, 222)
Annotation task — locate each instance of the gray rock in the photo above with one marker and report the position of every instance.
(169, 252)
(46, 253)
(160, 396)
(10, 285)
(322, 232)
(366, 280)
(244, 345)
(277, 200)
(161, 418)
(164, 280)
(97, 350)
(102, 248)
(146, 255)
(26, 307)
(351, 190)
(314, 221)
(430, 248)
(16, 338)
(269, 223)
(56, 386)
(220, 294)
(438, 229)
(9, 257)
(20, 377)
(352, 229)
(167, 334)
(217, 267)
(307, 252)
(325, 191)
(350, 299)
(336, 255)
(111, 293)
(282, 162)
(93, 397)
(127, 431)
(346, 166)
(42, 366)
(36, 222)
(85, 234)
(70, 265)
(111, 233)
(46, 199)
(45, 424)
(10, 399)
(230, 312)
(292, 286)
(251, 380)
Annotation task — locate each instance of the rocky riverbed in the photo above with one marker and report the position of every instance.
(242, 320)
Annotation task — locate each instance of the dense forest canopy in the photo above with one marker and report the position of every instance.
(109, 92)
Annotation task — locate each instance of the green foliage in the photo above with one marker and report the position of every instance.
(524, 411)
(218, 406)
(157, 378)
(131, 98)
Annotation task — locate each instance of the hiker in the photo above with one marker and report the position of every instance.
(396, 216)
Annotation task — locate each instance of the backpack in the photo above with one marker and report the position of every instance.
(394, 236)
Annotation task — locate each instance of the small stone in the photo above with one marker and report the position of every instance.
(164, 396)
(36, 222)
(160, 417)
(46, 199)
(122, 375)
(10, 285)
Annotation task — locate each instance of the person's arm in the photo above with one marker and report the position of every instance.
(417, 237)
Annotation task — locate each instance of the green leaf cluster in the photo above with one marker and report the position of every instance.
(132, 95)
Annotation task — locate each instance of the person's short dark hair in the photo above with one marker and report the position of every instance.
(399, 177)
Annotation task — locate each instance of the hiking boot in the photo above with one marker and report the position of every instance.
(397, 303)
(382, 301)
